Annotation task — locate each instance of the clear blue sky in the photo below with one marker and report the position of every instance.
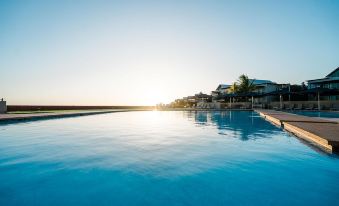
(144, 52)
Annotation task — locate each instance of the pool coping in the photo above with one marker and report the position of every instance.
(15, 118)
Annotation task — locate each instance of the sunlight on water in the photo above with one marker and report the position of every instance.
(161, 158)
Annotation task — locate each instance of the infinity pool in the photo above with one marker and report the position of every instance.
(317, 114)
(162, 158)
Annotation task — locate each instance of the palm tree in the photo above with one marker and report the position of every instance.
(234, 88)
(245, 85)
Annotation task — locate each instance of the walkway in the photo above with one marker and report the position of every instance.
(12, 118)
(322, 132)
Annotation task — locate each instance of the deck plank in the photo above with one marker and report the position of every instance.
(322, 132)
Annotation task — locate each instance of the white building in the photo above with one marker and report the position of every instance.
(220, 90)
(264, 86)
(267, 86)
(261, 87)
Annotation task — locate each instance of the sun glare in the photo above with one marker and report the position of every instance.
(152, 96)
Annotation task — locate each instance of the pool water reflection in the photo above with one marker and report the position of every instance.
(162, 158)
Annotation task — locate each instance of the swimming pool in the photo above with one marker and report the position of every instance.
(162, 158)
(317, 114)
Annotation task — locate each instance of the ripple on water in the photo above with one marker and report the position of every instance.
(162, 158)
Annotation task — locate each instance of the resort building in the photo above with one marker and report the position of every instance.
(261, 87)
(264, 86)
(201, 97)
(331, 81)
(189, 101)
(318, 94)
(267, 86)
(220, 90)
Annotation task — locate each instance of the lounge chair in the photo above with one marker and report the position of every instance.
(259, 106)
(289, 107)
(334, 107)
(298, 107)
(310, 107)
(323, 107)
(294, 106)
(286, 106)
(244, 107)
(276, 107)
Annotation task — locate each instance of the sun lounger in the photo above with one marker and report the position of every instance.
(322, 107)
(299, 107)
(310, 107)
(294, 106)
(245, 107)
(334, 107)
(289, 107)
(260, 106)
(276, 108)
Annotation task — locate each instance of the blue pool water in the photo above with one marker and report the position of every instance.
(162, 158)
(317, 114)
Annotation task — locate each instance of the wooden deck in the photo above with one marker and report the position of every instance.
(322, 132)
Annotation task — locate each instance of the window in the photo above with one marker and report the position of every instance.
(334, 85)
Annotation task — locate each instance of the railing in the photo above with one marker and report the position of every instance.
(324, 105)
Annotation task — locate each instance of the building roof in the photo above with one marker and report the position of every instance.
(255, 82)
(326, 79)
(260, 81)
(329, 77)
(223, 86)
(333, 72)
(202, 95)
